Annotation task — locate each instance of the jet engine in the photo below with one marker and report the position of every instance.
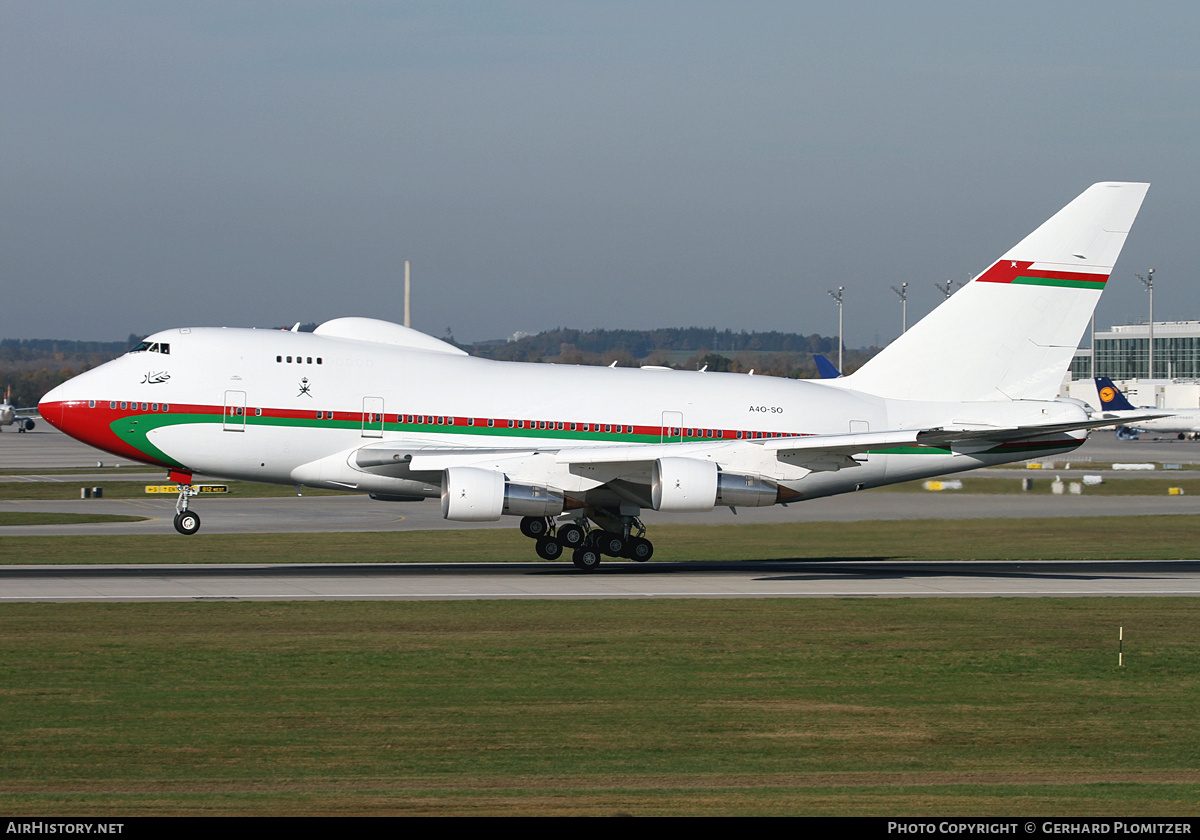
(471, 494)
(683, 485)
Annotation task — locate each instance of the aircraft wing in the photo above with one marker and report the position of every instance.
(817, 453)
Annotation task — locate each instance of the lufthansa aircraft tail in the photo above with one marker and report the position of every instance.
(1111, 398)
(1010, 333)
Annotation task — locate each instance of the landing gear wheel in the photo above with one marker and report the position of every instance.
(610, 543)
(571, 536)
(534, 527)
(548, 548)
(640, 549)
(586, 558)
(187, 522)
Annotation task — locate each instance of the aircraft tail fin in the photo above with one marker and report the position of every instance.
(1111, 398)
(825, 368)
(1011, 332)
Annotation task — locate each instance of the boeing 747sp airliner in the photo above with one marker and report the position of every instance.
(579, 452)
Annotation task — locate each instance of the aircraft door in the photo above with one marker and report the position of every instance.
(372, 418)
(672, 427)
(235, 412)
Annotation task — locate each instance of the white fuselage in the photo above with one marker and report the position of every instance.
(303, 408)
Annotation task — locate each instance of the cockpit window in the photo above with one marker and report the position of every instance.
(147, 347)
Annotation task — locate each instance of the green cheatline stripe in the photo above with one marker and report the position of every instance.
(1054, 281)
(136, 436)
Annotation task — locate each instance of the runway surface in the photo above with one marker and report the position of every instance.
(490, 581)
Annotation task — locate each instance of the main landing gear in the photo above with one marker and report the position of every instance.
(588, 545)
(186, 521)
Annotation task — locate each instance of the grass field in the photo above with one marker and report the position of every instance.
(889, 707)
(925, 707)
(1083, 538)
(13, 518)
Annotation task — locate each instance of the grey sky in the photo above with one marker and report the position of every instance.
(585, 164)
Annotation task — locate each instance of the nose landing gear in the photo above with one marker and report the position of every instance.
(187, 522)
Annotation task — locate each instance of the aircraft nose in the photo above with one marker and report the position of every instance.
(50, 406)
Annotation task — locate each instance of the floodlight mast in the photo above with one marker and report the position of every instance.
(903, 293)
(407, 295)
(1148, 282)
(837, 296)
(948, 290)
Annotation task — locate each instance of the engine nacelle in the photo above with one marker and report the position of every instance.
(531, 500)
(737, 490)
(684, 485)
(470, 494)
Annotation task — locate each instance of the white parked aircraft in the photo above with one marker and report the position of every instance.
(10, 414)
(580, 452)
(1180, 421)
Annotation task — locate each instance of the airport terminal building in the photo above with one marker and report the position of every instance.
(1123, 352)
